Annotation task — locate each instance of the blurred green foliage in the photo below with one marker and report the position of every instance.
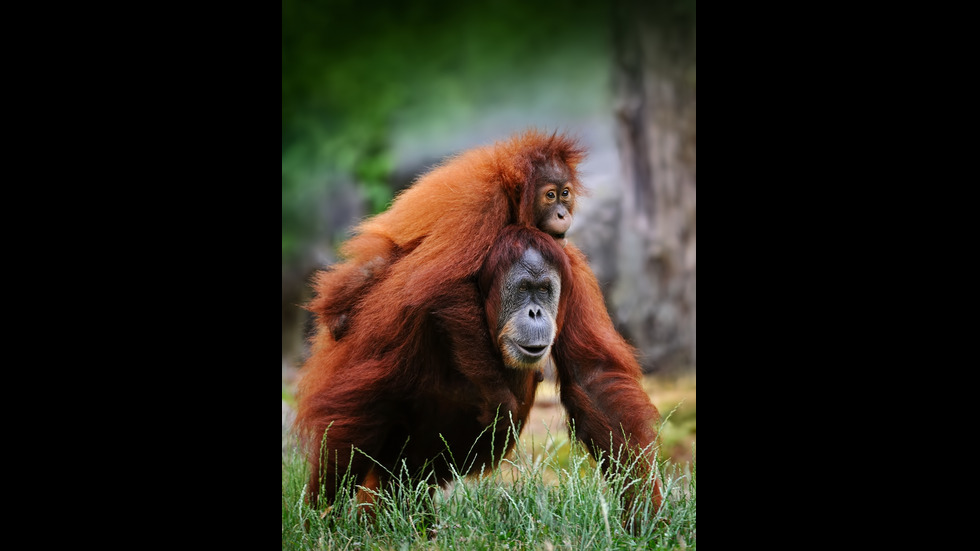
(351, 71)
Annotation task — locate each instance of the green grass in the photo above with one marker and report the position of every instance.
(548, 497)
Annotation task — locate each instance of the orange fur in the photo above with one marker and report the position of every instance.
(448, 220)
(403, 334)
(599, 378)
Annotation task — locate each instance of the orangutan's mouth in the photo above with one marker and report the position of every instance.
(533, 351)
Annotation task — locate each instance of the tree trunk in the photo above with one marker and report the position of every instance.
(655, 83)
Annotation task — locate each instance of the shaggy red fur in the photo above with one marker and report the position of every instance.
(404, 363)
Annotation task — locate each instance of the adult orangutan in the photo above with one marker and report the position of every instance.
(408, 326)
(430, 359)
